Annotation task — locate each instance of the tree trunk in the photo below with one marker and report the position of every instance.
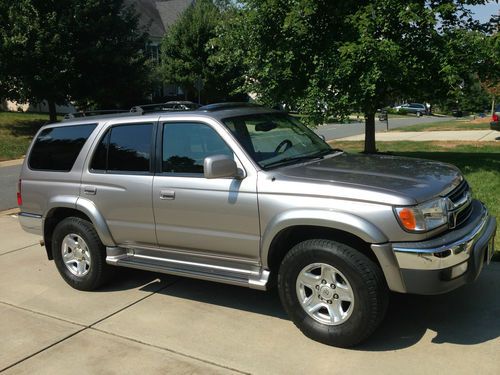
(370, 133)
(493, 105)
(52, 111)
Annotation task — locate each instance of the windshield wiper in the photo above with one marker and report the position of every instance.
(292, 159)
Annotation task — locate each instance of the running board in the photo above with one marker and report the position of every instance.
(247, 277)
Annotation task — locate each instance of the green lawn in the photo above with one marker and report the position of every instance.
(16, 132)
(480, 163)
(458, 124)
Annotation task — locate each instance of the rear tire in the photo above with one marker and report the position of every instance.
(333, 293)
(79, 254)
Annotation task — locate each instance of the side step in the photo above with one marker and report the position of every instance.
(250, 277)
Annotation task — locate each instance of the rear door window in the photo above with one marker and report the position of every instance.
(124, 148)
(56, 149)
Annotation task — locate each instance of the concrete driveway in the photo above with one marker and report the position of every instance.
(148, 323)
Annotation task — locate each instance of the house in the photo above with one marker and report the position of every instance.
(157, 16)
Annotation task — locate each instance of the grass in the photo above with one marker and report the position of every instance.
(479, 162)
(478, 124)
(16, 132)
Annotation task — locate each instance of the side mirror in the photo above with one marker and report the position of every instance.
(219, 166)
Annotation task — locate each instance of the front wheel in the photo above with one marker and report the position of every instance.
(333, 293)
(79, 254)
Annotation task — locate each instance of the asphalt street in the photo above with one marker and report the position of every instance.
(335, 131)
(8, 186)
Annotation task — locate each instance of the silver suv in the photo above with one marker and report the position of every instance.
(249, 196)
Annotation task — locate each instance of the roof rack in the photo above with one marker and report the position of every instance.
(171, 106)
(81, 114)
(229, 105)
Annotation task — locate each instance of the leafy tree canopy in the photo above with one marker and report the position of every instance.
(329, 57)
(188, 53)
(59, 50)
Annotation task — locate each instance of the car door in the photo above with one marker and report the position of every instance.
(208, 217)
(118, 180)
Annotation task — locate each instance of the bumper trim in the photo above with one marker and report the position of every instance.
(31, 223)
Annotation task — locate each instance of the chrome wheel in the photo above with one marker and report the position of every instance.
(75, 254)
(325, 294)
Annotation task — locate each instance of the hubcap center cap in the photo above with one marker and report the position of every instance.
(326, 292)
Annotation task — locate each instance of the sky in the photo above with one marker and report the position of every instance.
(484, 12)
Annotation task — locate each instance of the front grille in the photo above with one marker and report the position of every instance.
(461, 207)
(463, 215)
(458, 194)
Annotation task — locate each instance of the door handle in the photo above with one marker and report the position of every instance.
(90, 190)
(167, 194)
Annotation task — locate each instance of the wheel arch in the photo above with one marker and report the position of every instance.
(292, 227)
(82, 208)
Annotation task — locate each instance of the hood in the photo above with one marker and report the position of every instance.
(411, 180)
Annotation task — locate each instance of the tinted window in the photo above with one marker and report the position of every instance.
(186, 145)
(56, 149)
(124, 148)
(272, 138)
(100, 159)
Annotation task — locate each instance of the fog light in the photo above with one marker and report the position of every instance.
(458, 270)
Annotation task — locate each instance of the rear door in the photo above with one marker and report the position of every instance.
(118, 178)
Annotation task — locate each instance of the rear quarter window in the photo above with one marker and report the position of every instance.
(56, 149)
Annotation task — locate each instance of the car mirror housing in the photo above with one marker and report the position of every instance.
(219, 166)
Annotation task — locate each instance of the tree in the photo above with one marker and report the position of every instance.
(188, 54)
(82, 50)
(329, 57)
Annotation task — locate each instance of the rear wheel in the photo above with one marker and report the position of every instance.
(79, 254)
(333, 293)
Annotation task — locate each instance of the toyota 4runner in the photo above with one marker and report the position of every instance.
(249, 196)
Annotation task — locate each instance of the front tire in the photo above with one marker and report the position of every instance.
(333, 293)
(79, 254)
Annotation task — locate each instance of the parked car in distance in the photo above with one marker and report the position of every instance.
(494, 124)
(163, 107)
(415, 108)
(246, 195)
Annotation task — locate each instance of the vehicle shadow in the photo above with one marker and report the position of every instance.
(466, 316)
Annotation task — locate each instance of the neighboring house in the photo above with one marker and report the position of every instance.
(157, 16)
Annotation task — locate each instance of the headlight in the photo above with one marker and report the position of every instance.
(424, 217)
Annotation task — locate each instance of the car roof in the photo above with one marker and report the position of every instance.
(217, 112)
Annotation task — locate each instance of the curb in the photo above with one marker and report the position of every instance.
(10, 163)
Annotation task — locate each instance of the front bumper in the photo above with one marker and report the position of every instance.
(451, 260)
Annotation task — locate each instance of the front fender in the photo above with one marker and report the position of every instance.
(320, 218)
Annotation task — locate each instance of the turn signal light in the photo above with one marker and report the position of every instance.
(407, 218)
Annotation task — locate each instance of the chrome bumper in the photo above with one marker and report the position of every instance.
(444, 256)
(449, 261)
(31, 223)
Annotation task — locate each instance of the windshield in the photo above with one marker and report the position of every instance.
(273, 139)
